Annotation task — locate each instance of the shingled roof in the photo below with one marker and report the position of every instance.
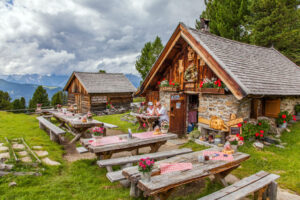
(103, 82)
(248, 69)
(258, 70)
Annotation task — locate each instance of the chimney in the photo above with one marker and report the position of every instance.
(204, 24)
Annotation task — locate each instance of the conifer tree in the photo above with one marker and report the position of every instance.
(40, 96)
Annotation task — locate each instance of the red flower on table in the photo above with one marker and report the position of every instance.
(256, 134)
(239, 125)
(262, 131)
(283, 116)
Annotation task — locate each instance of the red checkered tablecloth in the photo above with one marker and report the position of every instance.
(106, 141)
(216, 155)
(146, 135)
(173, 167)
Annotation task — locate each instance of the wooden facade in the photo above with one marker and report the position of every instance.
(85, 101)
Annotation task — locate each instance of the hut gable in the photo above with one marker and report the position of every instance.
(94, 83)
(245, 69)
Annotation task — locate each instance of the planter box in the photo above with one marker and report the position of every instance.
(171, 89)
(211, 90)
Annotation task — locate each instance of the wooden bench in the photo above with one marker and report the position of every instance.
(54, 131)
(262, 184)
(128, 161)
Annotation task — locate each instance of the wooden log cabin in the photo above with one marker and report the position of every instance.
(93, 91)
(258, 81)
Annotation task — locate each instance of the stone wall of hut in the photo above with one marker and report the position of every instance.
(288, 103)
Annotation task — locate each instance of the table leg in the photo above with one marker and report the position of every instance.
(77, 137)
(156, 146)
(221, 176)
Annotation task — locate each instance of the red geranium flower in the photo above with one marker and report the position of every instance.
(237, 135)
(262, 131)
(259, 124)
(242, 138)
(256, 134)
(284, 121)
(294, 118)
(283, 116)
(158, 82)
(201, 84)
(261, 135)
(245, 122)
(239, 125)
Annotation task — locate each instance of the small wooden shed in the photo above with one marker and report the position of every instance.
(93, 91)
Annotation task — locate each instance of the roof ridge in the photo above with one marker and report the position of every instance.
(230, 40)
(97, 73)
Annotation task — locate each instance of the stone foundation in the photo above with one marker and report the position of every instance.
(164, 98)
(288, 103)
(222, 106)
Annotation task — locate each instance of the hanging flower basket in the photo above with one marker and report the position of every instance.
(212, 90)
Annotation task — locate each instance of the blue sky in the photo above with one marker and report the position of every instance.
(60, 36)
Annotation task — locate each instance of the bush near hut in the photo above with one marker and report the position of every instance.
(258, 130)
(283, 117)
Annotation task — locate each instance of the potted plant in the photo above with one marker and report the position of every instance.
(213, 86)
(283, 118)
(166, 85)
(235, 141)
(89, 116)
(58, 106)
(297, 109)
(164, 127)
(145, 167)
(97, 132)
(39, 107)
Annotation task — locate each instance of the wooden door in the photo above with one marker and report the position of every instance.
(178, 114)
(78, 102)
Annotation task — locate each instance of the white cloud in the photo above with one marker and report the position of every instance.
(42, 36)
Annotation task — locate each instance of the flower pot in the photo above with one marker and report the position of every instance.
(146, 176)
(234, 147)
(218, 141)
(97, 137)
(164, 131)
(284, 125)
(212, 90)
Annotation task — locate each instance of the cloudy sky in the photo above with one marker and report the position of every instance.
(60, 36)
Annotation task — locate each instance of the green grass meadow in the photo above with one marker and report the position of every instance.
(85, 180)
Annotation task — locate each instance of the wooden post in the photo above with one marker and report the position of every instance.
(272, 191)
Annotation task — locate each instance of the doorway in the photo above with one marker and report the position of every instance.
(192, 112)
(178, 114)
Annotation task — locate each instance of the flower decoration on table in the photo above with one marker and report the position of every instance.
(164, 127)
(212, 83)
(236, 140)
(89, 116)
(283, 118)
(97, 131)
(145, 166)
(58, 106)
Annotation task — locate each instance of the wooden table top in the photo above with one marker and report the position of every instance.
(74, 120)
(134, 142)
(160, 183)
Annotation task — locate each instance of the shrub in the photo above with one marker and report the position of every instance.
(297, 108)
(249, 130)
(283, 117)
(263, 125)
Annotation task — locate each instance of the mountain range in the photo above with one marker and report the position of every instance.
(24, 85)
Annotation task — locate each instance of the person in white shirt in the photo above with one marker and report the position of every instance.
(161, 111)
(150, 109)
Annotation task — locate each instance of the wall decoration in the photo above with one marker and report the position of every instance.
(191, 54)
(191, 73)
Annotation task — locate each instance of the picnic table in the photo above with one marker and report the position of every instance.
(119, 143)
(148, 120)
(73, 123)
(162, 185)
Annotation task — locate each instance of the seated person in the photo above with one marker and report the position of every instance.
(150, 109)
(161, 111)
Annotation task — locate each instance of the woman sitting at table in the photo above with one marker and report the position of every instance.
(150, 109)
(161, 111)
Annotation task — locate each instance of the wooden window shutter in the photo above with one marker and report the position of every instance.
(272, 107)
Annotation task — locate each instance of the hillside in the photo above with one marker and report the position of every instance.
(17, 90)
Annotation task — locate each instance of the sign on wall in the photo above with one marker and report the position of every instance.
(98, 99)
